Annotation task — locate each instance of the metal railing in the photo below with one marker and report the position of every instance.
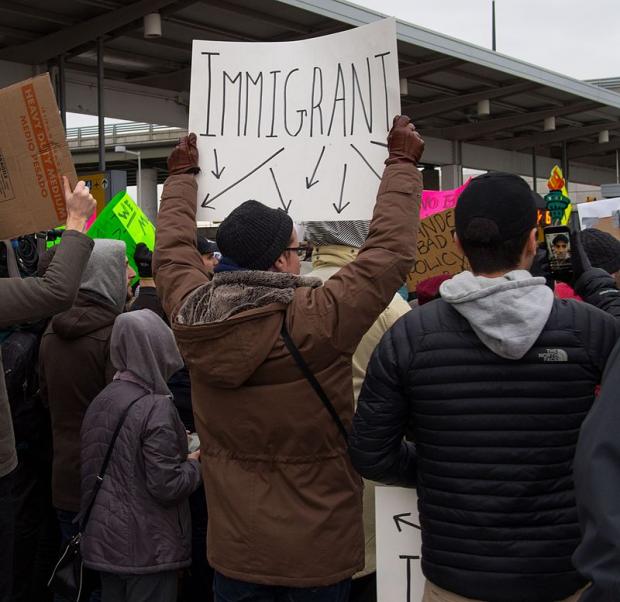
(127, 133)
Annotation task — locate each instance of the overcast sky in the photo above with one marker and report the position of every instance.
(573, 37)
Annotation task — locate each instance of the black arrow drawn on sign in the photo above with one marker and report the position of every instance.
(207, 200)
(365, 160)
(311, 182)
(340, 208)
(378, 143)
(398, 519)
(218, 172)
(285, 206)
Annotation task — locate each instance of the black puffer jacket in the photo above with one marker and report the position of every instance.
(598, 288)
(495, 441)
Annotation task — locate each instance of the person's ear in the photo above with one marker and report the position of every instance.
(532, 241)
(280, 264)
(457, 242)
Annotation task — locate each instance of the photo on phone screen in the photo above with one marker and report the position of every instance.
(558, 249)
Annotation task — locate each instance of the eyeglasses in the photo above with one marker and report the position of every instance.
(301, 251)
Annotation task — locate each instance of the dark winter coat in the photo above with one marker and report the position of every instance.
(30, 299)
(598, 288)
(597, 485)
(74, 365)
(494, 443)
(140, 522)
(75, 362)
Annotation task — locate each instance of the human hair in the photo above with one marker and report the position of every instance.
(560, 238)
(487, 251)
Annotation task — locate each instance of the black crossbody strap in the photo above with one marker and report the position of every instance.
(106, 461)
(294, 351)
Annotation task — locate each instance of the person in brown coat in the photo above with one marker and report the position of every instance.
(285, 504)
(28, 300)
(74, 365)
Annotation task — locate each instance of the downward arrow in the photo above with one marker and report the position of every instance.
(311, 182)
(205, 202)
(218, 172)
(340, 207)
(398, 519)
(285, 206)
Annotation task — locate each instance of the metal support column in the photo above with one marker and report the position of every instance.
(534, 170)
(565, 163)
(100, 107)
(62, 90)
(494, 38)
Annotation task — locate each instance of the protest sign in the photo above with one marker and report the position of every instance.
(296, 125)
(123, 220)
(436, 250)
(399, 545)
(33, 157)
(434, 201)
(597, 209)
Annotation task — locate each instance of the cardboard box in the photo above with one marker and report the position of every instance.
(33, 157)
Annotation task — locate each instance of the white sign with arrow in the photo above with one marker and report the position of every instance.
(297, 125)
(399, 545)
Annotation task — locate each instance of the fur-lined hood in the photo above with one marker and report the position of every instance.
(230, 293)
(236, 317)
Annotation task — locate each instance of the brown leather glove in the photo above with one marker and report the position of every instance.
(184, 157)
(404, 144)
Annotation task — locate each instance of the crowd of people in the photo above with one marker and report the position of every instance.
(218, 432)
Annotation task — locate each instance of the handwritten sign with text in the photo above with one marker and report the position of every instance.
(296, 125)
(434, 201)
(436, 250)
(399, 545)
(123, 220)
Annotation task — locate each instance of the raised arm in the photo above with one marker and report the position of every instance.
(30, 299)
(352, 299)
(177, 265)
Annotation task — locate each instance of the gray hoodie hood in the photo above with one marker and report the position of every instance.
(105, 272)
(143, 345)
(506, 313)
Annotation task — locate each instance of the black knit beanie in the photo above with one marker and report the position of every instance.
(254, 235)
(602, 249)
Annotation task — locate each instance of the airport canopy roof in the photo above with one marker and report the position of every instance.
(446, 77)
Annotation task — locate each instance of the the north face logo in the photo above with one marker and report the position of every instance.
(554, 355)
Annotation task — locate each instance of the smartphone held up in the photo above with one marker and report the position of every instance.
(558, 244)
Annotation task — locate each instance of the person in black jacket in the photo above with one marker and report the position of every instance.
(147, 293)
(495, 379)
(597, 486)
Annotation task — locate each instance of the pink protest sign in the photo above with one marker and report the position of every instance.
(434, 201)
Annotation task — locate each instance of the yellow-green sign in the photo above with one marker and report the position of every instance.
(123, 220)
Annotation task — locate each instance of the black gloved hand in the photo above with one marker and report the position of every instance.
(579, 257)
(541, 267)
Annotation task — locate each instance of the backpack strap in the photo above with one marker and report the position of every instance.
(294, 351)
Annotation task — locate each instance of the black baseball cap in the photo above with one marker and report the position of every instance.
(502, 198)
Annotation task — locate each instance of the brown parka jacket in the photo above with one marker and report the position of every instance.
(285, 504)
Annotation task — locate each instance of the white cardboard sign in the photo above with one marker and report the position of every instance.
(298, 125)
(399, 545)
